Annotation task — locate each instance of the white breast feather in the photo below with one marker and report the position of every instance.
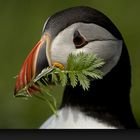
(70, 118)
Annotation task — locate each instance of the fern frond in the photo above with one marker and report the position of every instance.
(63, 78)
(83, 80)
(73, 79)
(81, 68)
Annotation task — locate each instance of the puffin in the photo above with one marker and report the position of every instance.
(106, 105)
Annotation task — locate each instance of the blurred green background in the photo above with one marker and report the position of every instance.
(21, 24)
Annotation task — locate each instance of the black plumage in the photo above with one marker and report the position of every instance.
(108, 99)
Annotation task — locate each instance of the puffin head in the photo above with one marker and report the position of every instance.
(74, 30)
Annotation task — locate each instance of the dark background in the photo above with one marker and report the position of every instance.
(21, 25)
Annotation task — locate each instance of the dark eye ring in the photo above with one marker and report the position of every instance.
(78, 40)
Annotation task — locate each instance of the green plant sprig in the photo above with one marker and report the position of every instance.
(81, 68)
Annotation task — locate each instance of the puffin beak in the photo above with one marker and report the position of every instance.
(36, 61)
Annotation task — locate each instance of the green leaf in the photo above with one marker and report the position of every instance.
(81, 67)
(54, 78)
(63, 78)
(73, 79)
(84, 81)
(95, 75)
(70, 62)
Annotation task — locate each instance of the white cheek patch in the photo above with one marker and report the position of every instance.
(62, 46)
(104, 44)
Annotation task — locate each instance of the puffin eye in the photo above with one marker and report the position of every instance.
(78, 40)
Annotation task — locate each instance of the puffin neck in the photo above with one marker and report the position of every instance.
(107, 100)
